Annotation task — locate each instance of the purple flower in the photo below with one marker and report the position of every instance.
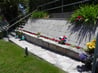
(83, 56)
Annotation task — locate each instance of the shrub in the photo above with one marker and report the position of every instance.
(0, 18)
(2, 34)
(39, 14)
(87, 14)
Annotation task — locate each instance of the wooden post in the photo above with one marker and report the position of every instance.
(26, 51)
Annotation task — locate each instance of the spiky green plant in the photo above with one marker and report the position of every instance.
(89, 14)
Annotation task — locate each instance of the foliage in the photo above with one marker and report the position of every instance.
(39, 14)
(24, 2)
(10, 8)
(87, 14)
(12, 60)
(1, 34)
(38, 34)
(0, 18)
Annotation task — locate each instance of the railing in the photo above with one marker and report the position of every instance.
(9, 26)
(48, 3)
(79, 2)
(51, 2)
(62, 5)
(20, 20)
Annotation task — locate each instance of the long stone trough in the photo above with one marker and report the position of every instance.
(53, 46)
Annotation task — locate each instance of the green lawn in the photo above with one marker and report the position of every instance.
(12, 60)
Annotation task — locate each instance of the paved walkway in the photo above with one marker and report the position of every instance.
(63, 62)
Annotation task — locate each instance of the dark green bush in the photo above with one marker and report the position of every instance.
(2, 34)
(39, 14)
(0, 18)
(87, 14)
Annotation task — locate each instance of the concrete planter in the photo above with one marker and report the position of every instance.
(51, 45)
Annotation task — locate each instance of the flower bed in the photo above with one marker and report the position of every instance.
(51, 44)
(53, 39)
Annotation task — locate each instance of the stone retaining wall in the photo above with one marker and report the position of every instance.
(53, 46)
(77, 36)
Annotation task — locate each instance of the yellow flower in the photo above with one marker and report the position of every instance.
(92, 43)
(93, 46)
(88, 44)
(90, 47)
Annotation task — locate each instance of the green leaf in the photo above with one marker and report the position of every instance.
(95, 22)
(86, 20)
(97, 17)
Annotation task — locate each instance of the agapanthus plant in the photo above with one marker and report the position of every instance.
(86, 15)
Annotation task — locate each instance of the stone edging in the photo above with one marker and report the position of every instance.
(49, 44)
(53, 39)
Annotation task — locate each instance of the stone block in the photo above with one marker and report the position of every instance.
(62, 49)
(45, 44)
(52, 46)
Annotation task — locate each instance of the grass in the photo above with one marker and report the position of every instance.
(12, 60)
